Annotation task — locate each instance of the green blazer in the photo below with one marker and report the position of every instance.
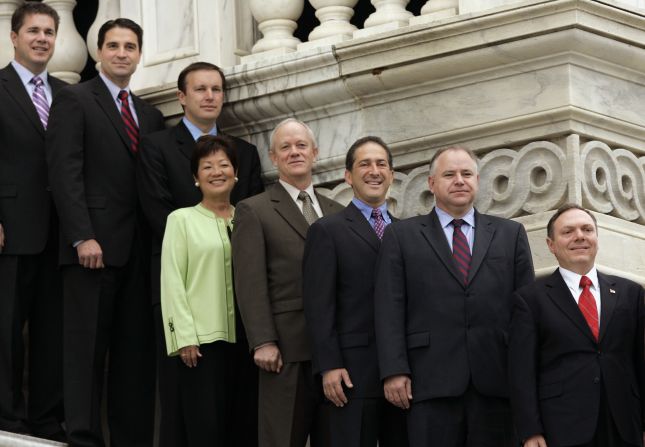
(197, 301)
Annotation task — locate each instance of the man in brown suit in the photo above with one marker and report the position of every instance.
(268, 244)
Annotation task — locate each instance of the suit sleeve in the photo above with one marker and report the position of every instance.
(251, 283)
(524, 271)
(320, 265)
(152, 185)
(523, 358)
(178, 322)
(390, 305)
(64, 151)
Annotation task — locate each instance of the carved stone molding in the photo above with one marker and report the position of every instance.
(613, 181)
(536, 178)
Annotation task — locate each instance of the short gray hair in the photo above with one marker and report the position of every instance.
(284, 122)
(436, 155)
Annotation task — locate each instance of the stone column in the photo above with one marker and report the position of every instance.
(108, 9)
(71, 53)
(389, 15)
(7, 7)
(334, 16)
(277, 22)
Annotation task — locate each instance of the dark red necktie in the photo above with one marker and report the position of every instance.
(587, 305)
(131, 127)
(460, 249)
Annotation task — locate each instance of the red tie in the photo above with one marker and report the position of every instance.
(587, 305)
(131, 127)
(460, 249)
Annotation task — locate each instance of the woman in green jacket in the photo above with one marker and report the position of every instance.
(197, 300)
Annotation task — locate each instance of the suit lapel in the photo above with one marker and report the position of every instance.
(106, 102)
(185, 142)
(559, 293)
(55, 83)
(609, 295)
(142, 114)
(288, 210)
(327, 206)
(484, 231)
(15, 88)
(433, 233)
(359, 225)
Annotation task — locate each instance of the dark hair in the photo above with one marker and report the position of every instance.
(563, 209)
(436, 155)
(120, 23)
(31, 8)
(209, 144)
(350, 158)
(196, 66)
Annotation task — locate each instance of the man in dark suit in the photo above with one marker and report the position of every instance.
(577, 356)
(443, 307)
(30, 282)
(92, 144)
(268, 243)
(165, 183)
(338, 278)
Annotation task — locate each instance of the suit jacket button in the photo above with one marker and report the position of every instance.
(596, 380)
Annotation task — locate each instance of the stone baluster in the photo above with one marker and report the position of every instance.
(107, 10)
(389, 15)
(334, 16)
(71, 53)
(436, 9)
(7, 7)
(277, 22)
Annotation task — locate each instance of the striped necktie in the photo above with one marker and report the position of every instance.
(39, 100)
(131, 127)
(460, 249)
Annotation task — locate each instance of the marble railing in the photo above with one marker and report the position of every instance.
(277, 19)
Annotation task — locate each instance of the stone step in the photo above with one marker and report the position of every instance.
(8, 439)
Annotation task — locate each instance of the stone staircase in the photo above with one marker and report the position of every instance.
(13, 440)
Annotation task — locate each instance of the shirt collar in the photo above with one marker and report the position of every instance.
(195, 131)
(293, 191)
(366, 210)
(113, 88)
(572, 279)
(446, 219)
(25, 75)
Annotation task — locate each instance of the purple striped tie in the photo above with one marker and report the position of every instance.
(379, 222)
(460, 249)
(131, 127)
(39, 100)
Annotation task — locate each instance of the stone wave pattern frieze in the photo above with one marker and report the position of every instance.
(538, 177)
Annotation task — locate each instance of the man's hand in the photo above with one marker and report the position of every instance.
(189, 355)
(398, 390)
(333, 385)
(1, 238)
(268, 357)
(90, 254)
(535, 441)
